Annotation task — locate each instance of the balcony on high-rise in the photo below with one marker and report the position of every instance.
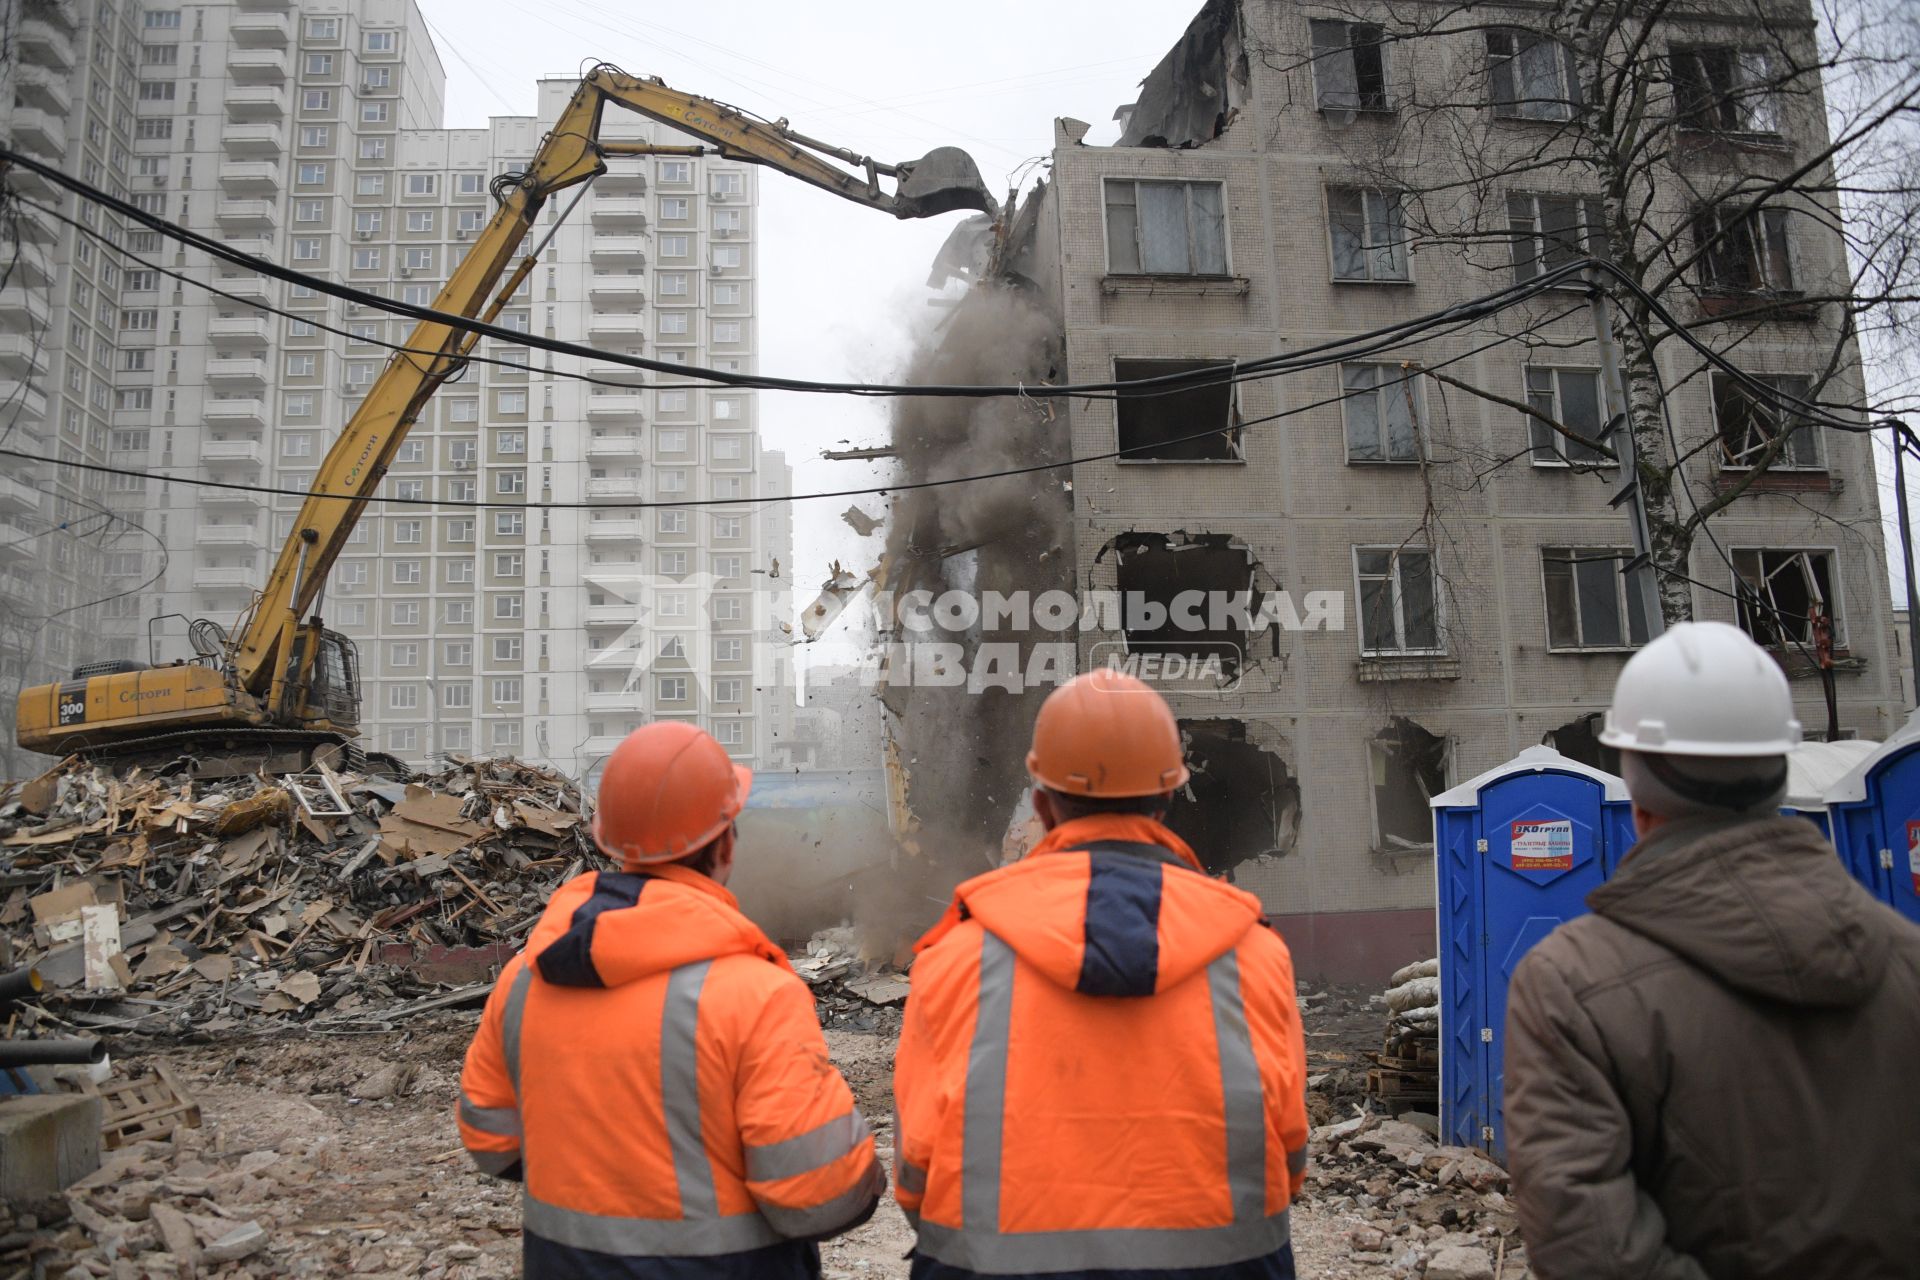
(252, 215)
(253, 140)
(23, 355)
(244, 330)
(17, 496)
(626, 529)
(631, 289)
(617, 405)
(25, 309)
(43, 87)
(218, 576)
(255, 102)
(40, 41)
(241, 411)
(250, 178)
(227, 535)
(257, 66)
(623, 326)
(611, 444)
(230, 453)
(242, 371)
(618, 251)
(616, 487)
(26, 402)
(265, 30)
(41, 134)
(627, 214)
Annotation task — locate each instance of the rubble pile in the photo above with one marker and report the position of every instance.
(185, 904)
(1430, 1210)
(851, 990)
(1406, 1071)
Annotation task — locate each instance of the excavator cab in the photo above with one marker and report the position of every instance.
(333, 689)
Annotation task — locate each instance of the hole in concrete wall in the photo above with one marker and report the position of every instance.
(1409, 768)
(1153, 420)
(1579, 741)
(1242, 802)
(1174, 589)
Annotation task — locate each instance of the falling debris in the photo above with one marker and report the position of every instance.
(162, 903)
(1198, 88)
(861, 523)
(835, 594)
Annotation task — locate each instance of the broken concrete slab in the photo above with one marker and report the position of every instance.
(48, 1141)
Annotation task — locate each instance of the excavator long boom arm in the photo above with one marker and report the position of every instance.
(572, 153)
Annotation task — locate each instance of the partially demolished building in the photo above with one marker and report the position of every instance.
(1234, 220)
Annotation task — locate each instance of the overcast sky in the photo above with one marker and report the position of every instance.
(839, 283)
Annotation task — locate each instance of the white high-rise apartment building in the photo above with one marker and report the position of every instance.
(68, 90)
(309, 133)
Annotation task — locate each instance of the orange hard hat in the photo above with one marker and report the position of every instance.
(1106, 733)
(666, 791)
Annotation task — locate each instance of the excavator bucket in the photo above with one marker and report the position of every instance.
(944, 179)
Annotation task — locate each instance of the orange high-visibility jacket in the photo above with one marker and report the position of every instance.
(653, 1070)
(1101, 1069)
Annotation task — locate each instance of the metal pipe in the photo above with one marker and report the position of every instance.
(23, 1053)
(21, 984)
(1902, 437)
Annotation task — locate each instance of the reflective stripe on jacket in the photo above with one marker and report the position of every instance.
(1102, 1069)
(654, 1072)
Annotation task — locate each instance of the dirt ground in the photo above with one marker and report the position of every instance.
(343, 1149)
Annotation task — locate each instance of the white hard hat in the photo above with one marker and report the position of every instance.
(1702, 689)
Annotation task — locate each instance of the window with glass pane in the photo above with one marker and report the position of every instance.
(1369, 234)
(1549, 232)
(1382, 409)
(1751, 422)
(1588, 603)
(1531, 77)
(1399, 601)
(1166, 228)
(1572, 398)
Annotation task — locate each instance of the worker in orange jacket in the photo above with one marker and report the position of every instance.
(651, 1067)
(1102, 1071)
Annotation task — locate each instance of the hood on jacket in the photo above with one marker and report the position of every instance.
(607, 928)
(1762, 904)
(1128, 920)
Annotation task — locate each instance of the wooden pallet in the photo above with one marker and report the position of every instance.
(147, 1108)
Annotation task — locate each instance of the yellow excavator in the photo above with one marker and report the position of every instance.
(284, 690)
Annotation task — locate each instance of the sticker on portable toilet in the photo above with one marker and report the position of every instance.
(1913, 854)
(1545, 846)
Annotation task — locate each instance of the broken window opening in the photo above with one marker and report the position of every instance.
(1349, 66)
(1749, 425)
(1175, 594)
(1369, 233)
(1154, 421)
(1166, 228)
(1409, 768)
(1579, 741)
(1399, 601)
(1242, 802)
(1779, 591)
(1574, 399)
(1384, 412)
(1743, 250)
(1588, 604)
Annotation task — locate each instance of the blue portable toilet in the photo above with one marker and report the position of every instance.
(1812, 769)
(1517, 850)
(1875, 814)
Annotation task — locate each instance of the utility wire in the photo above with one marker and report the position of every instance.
(768, 500)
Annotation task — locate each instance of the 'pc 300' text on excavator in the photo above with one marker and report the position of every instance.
(284, 688)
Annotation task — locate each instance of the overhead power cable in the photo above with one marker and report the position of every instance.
(1184, 380)
(763, 500)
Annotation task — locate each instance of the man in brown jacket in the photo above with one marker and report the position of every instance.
(1713, 1076)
